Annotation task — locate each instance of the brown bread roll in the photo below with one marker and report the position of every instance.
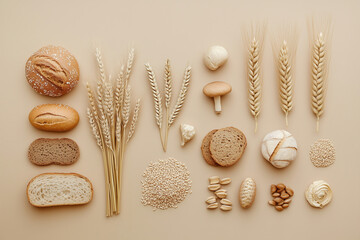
(52, 71)
(54, 117)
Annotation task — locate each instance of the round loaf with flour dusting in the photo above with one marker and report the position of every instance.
(227, 146)
(279, 148)
(52, 71)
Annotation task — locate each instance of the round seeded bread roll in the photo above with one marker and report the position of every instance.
(227, 146)
(279, 148)
(52, 71)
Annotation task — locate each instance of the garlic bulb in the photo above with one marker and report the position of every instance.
(319, 194)
(187, 133)
(215, 57)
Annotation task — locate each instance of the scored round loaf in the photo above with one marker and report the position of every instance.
(59, 151)
(227, 146)
(54, 117)
(52, 71)
(205, 148)
(279, 148)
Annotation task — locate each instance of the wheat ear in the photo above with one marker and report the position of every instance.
(119, 89)
(156, 95)
(181, 97)
(126, 107)
(94, 128)
(134, 120)
(318, 77)
(168, 84)
(285, 80)
(129, 65)
(108, 100)
(157, 99)
(254, 79)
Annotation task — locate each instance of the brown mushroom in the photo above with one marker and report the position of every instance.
(216, 90)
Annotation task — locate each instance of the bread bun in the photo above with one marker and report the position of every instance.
(279, 148)
(54, 117)
(52, 71)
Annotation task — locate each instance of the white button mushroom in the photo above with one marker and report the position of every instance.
(215, 57)
(216, 90)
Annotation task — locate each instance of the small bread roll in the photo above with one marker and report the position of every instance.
(247, 192)
(54, 117)
(52, 71)
(279, 148)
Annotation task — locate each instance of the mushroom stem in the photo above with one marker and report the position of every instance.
(217, 101)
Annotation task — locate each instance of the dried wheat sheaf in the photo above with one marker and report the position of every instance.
(109, 115)
(170, 116)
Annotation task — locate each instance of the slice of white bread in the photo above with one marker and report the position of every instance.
(58, 189)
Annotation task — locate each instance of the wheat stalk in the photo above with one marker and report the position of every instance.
(318, 77)
(119, 89)
(254, 81)
(285, 80)
(134, 120)
(156, 95)
(168, 84)
(126, 107)
(181, 98)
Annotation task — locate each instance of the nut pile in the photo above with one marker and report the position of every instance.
(220, 194)
(282, 196)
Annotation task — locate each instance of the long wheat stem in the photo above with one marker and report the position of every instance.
(318, 77)
(285, 80)
(254, 81)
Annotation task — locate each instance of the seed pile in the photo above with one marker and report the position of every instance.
(282, 196)
(322, 153)
(166, 183)
(215, 186)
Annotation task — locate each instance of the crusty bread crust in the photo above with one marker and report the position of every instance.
(54, 117)
(56, 173)
(205, 148)
(224, 152)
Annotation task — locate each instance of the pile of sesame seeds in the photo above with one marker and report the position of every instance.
(166, 183)
(322, 153)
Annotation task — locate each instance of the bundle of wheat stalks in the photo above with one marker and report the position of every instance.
(109, 117)
(170, 116)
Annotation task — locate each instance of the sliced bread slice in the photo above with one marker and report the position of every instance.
(227, 146)
(205, 148)
(60, 151)
(58, 189)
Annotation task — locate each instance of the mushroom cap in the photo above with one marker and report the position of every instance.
(217, 88)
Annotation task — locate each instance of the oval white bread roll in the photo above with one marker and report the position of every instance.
(247, 192)
(279, 148)
(59, 189)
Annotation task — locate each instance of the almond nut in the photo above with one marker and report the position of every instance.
(272, 203)
(226, 201)
(221, 193)
(273, 188)
(225, 207)
(213, 206)
(278, 200)
(276, 194)
(214, 180)
(214, 187)
(287, 200)
(285, 205)
(280, 187)
(211, 200)
(284, 195)
(225, 181)
(290, 191)
(279, 208)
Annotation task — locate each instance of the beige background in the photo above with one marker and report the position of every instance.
(181, 31)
